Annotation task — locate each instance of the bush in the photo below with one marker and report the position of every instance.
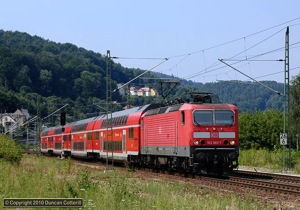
(9, 150)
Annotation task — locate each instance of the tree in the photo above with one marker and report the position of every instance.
(22, 78)
(295, 107)
(46, 82)
(90, 84)
(260, 129)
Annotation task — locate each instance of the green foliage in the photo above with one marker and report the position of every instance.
(9, 151)
(41, 177)
(84, 179)
(32, 65)
(247, 96)
(260, 129)
(295, 107)
(270, 159)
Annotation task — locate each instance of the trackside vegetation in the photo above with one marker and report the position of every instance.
(259, 134)
(9, 150)
(271, 160)
(42, 177)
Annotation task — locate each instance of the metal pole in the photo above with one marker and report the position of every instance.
(109, 109)
(27, 137)
(283, 160)
(297, 139)
(107, 103)
(286, 93)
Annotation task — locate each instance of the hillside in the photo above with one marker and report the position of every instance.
(41, 75)
(246, 95)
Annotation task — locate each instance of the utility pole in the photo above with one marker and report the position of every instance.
(109, 109)
(297, 139)
(37, 136)
(128, 97)
(286, 124)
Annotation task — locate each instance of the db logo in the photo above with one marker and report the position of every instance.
(214, 135)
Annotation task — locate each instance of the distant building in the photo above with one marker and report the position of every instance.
(133, 91)
(13, 121)
(153, 92)
(144, 91)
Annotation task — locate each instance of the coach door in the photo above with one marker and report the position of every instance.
(124, 141)
(101, 142)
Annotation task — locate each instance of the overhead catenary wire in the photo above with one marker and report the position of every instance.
(277, 92)
(216, 64)
(212, 66)
(164, 60)
(250, 58)
(262, 76)
(205, 70)
(238, 39)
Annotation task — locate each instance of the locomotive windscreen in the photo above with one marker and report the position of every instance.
(213, 117)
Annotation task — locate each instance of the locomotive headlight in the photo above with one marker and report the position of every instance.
(232, 143)
(196, 142)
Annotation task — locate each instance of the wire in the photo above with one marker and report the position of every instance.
(217, 63)
(238, 61)
(277, 92)
(164, 60)
(133, 58)
(238, 39)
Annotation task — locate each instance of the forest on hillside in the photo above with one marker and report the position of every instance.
(41, 76)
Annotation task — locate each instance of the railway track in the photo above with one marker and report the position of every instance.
(266, 186)
(281, 186)
(263, 175)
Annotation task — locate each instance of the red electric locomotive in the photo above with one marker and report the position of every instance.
(194, 137)
(201, 138)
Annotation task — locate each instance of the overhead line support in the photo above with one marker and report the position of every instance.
(286, 123)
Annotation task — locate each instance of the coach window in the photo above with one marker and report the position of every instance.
(96, 135)
(182, 118)
(130, 135)
(89, 136)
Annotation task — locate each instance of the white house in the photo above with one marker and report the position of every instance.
(13, 121)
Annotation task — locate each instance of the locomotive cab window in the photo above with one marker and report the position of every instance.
(224, 117)
(213, 117)
(203, 117)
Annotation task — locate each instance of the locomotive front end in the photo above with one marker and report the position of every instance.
(215, 144)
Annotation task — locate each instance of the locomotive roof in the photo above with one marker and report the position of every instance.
(185, 106)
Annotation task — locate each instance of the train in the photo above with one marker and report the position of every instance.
(197, 137)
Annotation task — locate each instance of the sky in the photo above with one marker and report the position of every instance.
(183, 38)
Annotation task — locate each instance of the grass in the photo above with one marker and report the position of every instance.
(41, 177)
(272, 160)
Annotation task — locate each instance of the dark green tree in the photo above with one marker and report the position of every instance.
(260, 129)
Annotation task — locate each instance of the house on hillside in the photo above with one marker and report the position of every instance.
(12, 121)
(133, 91)
(153, 92)
(144, 91)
